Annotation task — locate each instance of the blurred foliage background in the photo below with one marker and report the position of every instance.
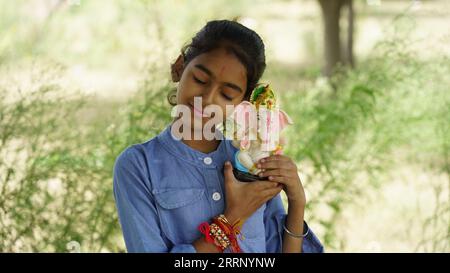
(80, 80)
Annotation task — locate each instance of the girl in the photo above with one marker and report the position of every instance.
(167, 191)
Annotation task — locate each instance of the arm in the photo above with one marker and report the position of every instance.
(282, 170)
(136, 207)
(274, 219)
(294, 223)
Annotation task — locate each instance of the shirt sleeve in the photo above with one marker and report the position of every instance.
(136, 207)
(274, 219)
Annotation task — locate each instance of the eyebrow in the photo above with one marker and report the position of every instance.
(209, 72)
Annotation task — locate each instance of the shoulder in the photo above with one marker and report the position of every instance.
(131, 168)
(131, 156)
(135, 157)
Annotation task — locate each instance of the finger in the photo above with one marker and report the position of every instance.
(276, 172)
(274, 164)
(278, 179)
(263, 185)
(266, 173)
(275, 158)
(269, 194)
(228, 172)
(287, 161)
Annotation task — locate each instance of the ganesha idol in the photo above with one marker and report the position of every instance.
(254, 128)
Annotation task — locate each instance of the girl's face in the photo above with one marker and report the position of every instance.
(217, 77)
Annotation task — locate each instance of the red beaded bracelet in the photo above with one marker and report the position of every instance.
(214, 234)
(222, 234)
(231, 231)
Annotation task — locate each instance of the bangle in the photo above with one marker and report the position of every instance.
(213, 234)
(220, 238)
(231, 231)
(305, 226)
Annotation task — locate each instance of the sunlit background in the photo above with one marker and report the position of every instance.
(80, 80)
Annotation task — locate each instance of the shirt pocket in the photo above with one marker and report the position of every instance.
(181, 211)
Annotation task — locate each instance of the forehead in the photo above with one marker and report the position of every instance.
(225, 66)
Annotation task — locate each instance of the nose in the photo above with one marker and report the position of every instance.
(208, 94)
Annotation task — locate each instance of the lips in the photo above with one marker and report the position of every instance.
(198, 112)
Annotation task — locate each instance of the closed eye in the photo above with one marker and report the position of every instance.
(226, 97)
(198, 81)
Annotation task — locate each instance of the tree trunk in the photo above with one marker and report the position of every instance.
(335, 53)
(331, 10)
(348, 53)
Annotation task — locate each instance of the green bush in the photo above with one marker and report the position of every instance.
(348, 130)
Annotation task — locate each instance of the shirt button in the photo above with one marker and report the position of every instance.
(207, 160)
(216, 196)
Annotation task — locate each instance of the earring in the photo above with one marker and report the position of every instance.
(172, 97)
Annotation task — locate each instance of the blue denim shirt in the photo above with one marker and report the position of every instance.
(164, 189)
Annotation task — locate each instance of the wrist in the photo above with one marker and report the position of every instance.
(296, 196)
(232, 217)
(297, 202)
(296, 209)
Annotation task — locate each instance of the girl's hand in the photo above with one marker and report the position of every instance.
(243, 199)
(281, 169)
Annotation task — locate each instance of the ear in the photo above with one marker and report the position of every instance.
(242, 109)
(284, 120)
(177, 68)
(239, 117)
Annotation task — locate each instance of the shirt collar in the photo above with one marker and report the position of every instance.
(217, 158)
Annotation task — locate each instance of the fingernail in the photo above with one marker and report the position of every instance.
(270, 178)
(262, 160)
(260, 174)
(259, 166)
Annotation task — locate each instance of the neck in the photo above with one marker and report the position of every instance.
(204, 146)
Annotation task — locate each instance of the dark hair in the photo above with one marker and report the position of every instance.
(243, 42)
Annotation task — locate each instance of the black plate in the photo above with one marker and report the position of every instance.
(246, 177)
